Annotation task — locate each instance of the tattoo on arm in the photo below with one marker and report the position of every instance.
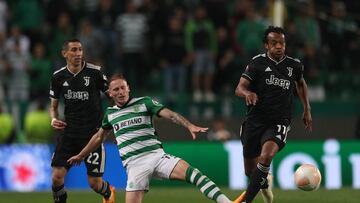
(179, 119)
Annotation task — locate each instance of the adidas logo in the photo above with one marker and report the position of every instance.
(65, 84)
(95, 170)
(268, 69)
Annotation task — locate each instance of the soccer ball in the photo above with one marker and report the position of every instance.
(307, 177)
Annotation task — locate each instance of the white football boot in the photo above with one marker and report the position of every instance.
(267, 193)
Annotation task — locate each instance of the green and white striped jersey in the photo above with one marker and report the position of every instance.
(133, 126)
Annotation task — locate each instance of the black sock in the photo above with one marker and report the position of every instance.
(258, 180)
(59, 194)
(105, 190)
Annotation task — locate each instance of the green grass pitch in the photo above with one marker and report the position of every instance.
(189, 195)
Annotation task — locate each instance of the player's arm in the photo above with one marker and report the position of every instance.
(54, 113)
(180, 120)
(93, 144)
(242, 90)
(302, 91)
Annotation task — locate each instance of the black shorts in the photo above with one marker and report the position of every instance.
(68, 146)
(254, 134)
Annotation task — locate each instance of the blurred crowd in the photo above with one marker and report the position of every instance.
(193, 49)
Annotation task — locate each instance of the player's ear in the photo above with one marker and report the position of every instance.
(266, 46)
(63, 53)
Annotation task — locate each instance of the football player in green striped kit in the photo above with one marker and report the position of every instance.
(139, 147)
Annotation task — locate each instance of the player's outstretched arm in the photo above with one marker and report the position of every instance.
(301, 88)
(93, 144)
(180, 120)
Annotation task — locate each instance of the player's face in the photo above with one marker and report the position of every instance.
(73, 54)
(276, 45)
(119, 91)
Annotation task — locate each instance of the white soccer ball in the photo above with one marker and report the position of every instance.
(307, 177)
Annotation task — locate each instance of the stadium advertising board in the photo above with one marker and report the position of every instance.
(27, 167)
(338, 161)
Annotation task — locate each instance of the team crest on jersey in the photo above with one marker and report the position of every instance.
(156, 103)
(136, 108)
(87, 81)
(290, 71)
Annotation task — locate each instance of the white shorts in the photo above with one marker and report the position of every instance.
(156, 164)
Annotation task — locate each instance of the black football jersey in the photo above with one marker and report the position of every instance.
(274, 84)
(81, 94)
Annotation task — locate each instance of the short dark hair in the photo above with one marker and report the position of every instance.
(273, 29)
(117, 76)
(66, 43)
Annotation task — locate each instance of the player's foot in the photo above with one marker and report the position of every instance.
(241, 198)
(112, 196)
(267, 193)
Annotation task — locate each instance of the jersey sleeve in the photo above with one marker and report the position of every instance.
(153, 106)
(102, 81)
(301, 75)
(105, 122)
(250, 72)
(55, 88)
(300, 71)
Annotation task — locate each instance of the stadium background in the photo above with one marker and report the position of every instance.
(323, 34)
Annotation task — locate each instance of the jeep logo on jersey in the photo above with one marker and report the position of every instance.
(285, 84)
(87, 81)
(290, 71)
(81, 95)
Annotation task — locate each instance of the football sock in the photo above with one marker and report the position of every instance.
(205, 185)
(105, 190)
(265, 186)
(258, 180)
(59, 194)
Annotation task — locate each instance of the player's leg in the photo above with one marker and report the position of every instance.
(266, 191)
(259, 176)
(95, 164)
(139, 172)
(58, 189)
(183, 171)
(134, 196)
(103, 188)
(60, 168)
(250, 165)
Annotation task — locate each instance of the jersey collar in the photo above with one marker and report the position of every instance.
(126, 103)
(74, 74)
(276, 62)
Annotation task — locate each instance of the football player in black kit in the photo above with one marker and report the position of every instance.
(268, 85)
(79, 84)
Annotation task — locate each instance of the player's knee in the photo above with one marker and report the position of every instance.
(57, 179)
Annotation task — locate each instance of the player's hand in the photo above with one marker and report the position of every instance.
(196, 129)
(58, 124)
(75, 160)
(251, 99)
(307, 119)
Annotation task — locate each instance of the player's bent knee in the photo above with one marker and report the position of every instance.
(57, 179)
